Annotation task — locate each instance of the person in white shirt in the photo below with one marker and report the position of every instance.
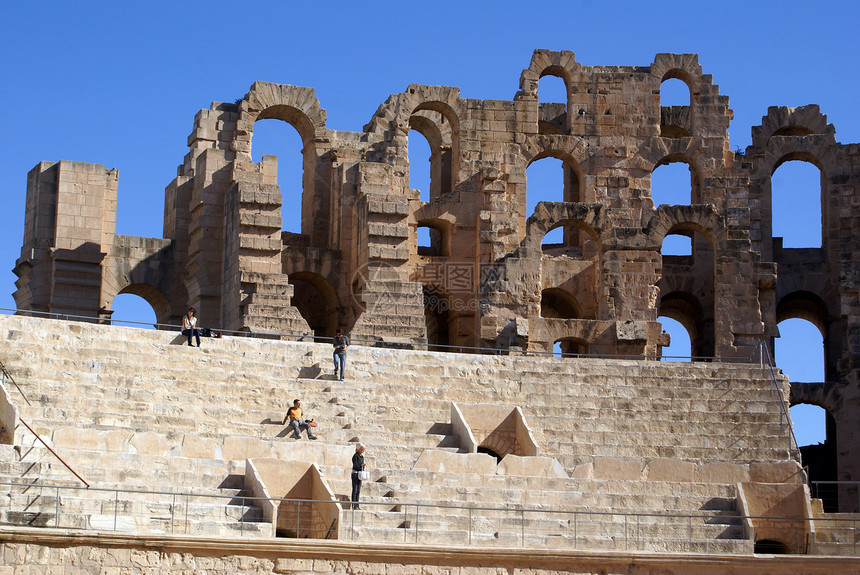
(189, 325)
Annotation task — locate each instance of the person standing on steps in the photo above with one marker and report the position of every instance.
(340, 342)
(189, 326)
(296, 423)
(357, 468)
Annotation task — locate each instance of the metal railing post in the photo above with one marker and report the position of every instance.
(416, 522)
(470, 525)
(57, 512)
(115, 508)
(689, 532)
(298, 518)
(186, 513)
(523, 527)
(172, 514)
(626, 536)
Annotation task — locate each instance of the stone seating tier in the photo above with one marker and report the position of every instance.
(126, 407)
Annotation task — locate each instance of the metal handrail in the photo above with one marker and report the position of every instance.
(792, 440)
(75, 473)
(8, 375)
(575, 518)
(376, 343)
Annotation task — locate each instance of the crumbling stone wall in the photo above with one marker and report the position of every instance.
(487, 279)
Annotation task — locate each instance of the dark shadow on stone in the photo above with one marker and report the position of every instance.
(439, 428)
(233, 481)
(310, 372)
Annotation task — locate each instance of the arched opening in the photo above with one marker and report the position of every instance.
(552, 87)
(675, 98)
(556, 303)
(771, 547)
(132, 310)
(800, 352)
(680, 343)
(552, 107)
(279, 138)
(570, 347)
(672, 183)
(419, 164)
(812, 427)
(687, 292)
(796, 199)
(433, 158)
(800, 349)
(316, 301)
(433, 238)
(678, 246)
(437, 318)
(674, 92)
(549, 179)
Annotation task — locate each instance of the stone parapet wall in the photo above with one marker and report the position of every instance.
(77, 553)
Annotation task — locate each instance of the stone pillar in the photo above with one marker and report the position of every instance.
(69, 227)
(256, 291)
(392, 306)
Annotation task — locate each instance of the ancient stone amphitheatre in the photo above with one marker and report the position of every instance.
(509, 389)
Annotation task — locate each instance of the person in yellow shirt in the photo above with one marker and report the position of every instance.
(296, 423)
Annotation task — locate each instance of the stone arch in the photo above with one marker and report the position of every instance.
(154, 297)
(300, 108)
(439, 317)
(546, 62)
(787, 121)
(440, 237)
(804, 305)
(550, 215)
(439, 134)
(703, 219)
(687, 309)
(676, 121)
(684, 67)
(579, 333)
(572, 346)
(557, 303)
(295, 105)
(696, 177)
(392, 121)
(143, 267)
(821, 460)
(317, 302)
(785, 149)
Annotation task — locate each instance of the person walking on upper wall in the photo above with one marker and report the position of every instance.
(189, 325)
(340, 342)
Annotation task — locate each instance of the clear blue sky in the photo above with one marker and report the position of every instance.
(118, 83)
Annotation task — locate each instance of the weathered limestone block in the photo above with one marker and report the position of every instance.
(445, 462)
(618, 468)
(530, 466)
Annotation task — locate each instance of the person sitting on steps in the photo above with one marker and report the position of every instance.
(189, 326)
(296, 423)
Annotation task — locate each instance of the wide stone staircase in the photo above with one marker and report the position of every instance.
(161, 431)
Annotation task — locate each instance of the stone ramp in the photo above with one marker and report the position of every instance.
(130, 407)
